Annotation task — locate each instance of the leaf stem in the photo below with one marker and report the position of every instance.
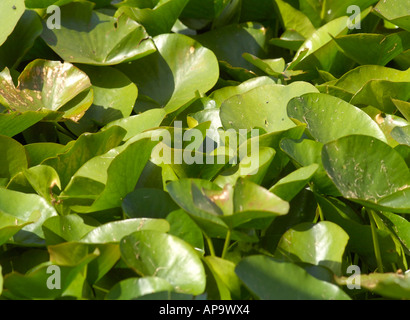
(375, 241)
(226, 244)
(210, 245)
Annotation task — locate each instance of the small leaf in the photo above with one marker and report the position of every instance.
(268, 279)
(152, 253)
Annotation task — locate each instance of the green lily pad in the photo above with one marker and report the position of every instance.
(43, 179)
(390, 285)
(263, 107)
(293, 19)
(47, 85)
(316, 109)
(152, 253)
(395, 11)
(399, 225)
(230, 42)
(319, 51)
(91, 37)
(403, 107)
(12, 123)
(11, 11)
(171, 77)
(139, 123)
(288, 187)
(9, 226)
(132, 288)
(368, 171)
(319, 244)
(122, 176)
(69, 228)
(83, 149)
(114, 95)
(376, 86)
(402, 135)
(360, 234)
(268, 279)
(21, 40)
(224, 93)
(305, 153)
(225, 271)
(26, 207)
(148, 203)
(113, 232)
(373, 49)
(14, 158)
(183, 227)
(156, 20)
(252, 203)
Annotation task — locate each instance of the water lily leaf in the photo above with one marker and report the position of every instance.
(122, 176)
(225, 271)
(114, 95)
(152, 253)
(399, 225)
(390, 285)
(403, 107)
(188, 195)
(148, 203)
(14, 158)
(171, 77)
(290, 39)
(11, 11)
(373, 49)
(100, 259)
(183, 227)
(252, 167)
(139, 123)
(395, 11)
(46, 85)
(263, 107)
(376, 86)
(319, 51)
(132, 288)
(268, 279)
(253, 204)
(38, 152)
(230, 42)
(360, 234)
(288, 187)
(26, 207)
(305, 153)
(9, 226)
(220, 95)
(21, 40)
(91, 37)
(12, 123)
(368, 171)
(69, 228)
(272, 140)
(156, 20)
(402, 135)
(319, 244)
(334, 9)
(113, 232)
(33, 284)
(316, 109)
(83, 149)
(43, 179)
(293, 19)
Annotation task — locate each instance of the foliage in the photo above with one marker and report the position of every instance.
(83, 186)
